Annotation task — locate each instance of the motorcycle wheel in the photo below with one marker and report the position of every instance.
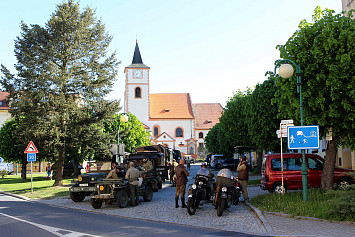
(191, 205)
(221, 203)
(236, 200)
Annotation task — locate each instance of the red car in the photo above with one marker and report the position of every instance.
(292, 163)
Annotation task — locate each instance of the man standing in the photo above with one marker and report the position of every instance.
(132, 175)
(49, 170)
(181, 180)
(243, 176)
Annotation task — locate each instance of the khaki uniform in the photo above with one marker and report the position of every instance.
(132, 175)
(243, 178)
(181, 180)
(112, 174)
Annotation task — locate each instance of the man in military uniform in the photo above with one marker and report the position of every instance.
(132, 175)
(181, 180)
(115, 173)
(147, 165)
(243, 176)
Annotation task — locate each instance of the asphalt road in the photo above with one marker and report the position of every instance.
(25, 218)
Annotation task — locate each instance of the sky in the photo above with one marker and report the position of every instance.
(208, 48)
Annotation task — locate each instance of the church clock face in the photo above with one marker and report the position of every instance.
(137, 74)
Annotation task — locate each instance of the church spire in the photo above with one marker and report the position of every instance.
(137, 59)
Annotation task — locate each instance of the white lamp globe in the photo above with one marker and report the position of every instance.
(124, 118)
(286, 70)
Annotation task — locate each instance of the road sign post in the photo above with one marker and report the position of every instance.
(31, 151)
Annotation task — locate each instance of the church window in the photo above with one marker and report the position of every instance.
(179, 132)
(156, 131)
(137, 92)
(200, 135)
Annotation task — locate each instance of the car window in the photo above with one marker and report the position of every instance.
(289, 164)
(315, 164)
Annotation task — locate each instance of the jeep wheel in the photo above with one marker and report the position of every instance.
(148, 193)
(160, 184)
(77, 197)
(277, 188)
(122, 199)
(344, 184)
(96, 203)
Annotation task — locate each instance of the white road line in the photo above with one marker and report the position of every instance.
(53, 230)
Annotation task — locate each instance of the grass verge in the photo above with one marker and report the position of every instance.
(254, 182)
(42, 188)
(333, 205)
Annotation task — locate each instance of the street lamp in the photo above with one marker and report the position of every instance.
(286, 71)
(122, 117)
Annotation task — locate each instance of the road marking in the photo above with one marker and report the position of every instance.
(53, 230)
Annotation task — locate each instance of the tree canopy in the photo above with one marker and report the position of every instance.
(63, 76)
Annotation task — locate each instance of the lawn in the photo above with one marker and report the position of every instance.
(42, 188)
(334, 205)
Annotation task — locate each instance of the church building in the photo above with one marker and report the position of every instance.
(171, 118)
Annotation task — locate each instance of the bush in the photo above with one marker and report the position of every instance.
(342, 203)
(3, 173)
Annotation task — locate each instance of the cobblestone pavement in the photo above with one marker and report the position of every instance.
(162, 208)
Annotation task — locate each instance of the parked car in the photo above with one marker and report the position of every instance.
(216, 161)
(9, 167)
(68, 170)
(230, 163)
(292, 163)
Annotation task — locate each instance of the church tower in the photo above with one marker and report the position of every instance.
(137, 87)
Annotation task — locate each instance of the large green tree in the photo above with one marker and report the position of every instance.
(262, 118)
(217, 142)
(325, 50)
(63, 76)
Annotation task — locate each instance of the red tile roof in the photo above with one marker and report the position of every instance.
(207, 114)
(170, 106)
(3, 103)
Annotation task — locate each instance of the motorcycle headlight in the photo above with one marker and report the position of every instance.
(200, 183)
(160, 173)
(194, 186)
(224, 189)
(92, 179)
(80, 178)
(97, 186)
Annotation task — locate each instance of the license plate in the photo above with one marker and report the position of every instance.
(83, 185)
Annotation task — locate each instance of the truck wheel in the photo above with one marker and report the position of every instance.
(155, 186)
(122, 199)
(160, 184)
(95, 203)
(148, 194)
(77, 197)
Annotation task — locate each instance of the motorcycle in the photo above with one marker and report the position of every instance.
(227, 193)
(199, 191)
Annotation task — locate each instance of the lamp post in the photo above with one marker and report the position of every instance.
(124, 118)
(286, 71)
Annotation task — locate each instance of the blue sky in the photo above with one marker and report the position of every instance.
(208, 48)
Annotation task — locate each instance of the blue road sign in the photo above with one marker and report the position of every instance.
(31, 157)
(1, 160)
(303, 137)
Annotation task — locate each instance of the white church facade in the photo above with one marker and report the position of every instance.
(171, 118)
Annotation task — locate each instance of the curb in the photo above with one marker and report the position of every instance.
(16, 196)
(262, 219)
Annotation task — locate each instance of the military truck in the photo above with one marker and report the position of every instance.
(160, 156)
(85, 183)
(116, 191)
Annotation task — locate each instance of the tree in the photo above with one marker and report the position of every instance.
(234, 120)
(262, 118)
(64, 74)
(325, 51)
(11, 149)
(132, 133)
(217, 142)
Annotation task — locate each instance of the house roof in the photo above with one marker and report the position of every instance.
(3, 103)
(207, 114)
(170, 106)
(137, 61)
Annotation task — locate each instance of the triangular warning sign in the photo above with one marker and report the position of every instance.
(31, 148)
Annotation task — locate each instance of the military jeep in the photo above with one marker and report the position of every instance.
(85, 183)
(116, 191)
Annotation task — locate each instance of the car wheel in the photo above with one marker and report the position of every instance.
(77, 197)
(148, 194)
(95, 203)
(277, 188)
(122, 199)
(344, 184)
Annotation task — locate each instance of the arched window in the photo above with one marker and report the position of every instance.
(156, 131)
(179, 132)
(200, 135)
(138, 92)
(192, 150)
